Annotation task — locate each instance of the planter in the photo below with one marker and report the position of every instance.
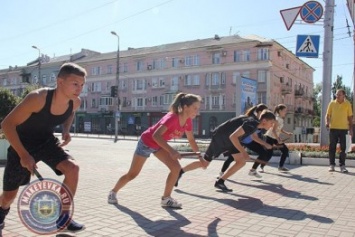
(4, 144)
(295, 158)
(325, 161)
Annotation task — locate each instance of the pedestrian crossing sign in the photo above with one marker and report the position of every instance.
(307, 46)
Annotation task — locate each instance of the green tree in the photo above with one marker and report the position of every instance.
(8, 101)
(28, 89)
(317, 91)
(338, 84)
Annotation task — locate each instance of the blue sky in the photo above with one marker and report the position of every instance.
(67, 26)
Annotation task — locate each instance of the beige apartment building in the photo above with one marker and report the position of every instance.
(227, 72)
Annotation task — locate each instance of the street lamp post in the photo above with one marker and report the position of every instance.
(117, 107)
(39, 65)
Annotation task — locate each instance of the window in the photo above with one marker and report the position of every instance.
(188, 61)
(109, 69)
(168, 98)
(96, 87)
(188, 80)
(139, 85)
(246, 55)
(241, 55)
(93, 103)
(215, 79)
(175, 81)
(216, 58)
(95, 71)
(175, 62)
(125, 67)
(154, 82)
(52, 77)
(208, 79)
(192, 80)
(196, 80)
(223, 78)
(140, 102)
(215, 100)
(263, 54)
(236, 77)
(106, 101)
(237, 56)
(158, 64)
(196, 60)
(155, 100)
(262, 98)
(262, 76)
(140, 65)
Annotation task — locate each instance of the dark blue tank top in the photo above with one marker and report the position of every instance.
(39, 127)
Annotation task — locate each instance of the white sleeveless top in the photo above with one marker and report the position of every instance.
(280, 122)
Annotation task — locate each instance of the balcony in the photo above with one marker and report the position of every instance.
(286, 88)
(299, 93)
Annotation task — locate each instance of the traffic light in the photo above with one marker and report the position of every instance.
(114, 91)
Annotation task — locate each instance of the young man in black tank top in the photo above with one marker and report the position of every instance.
(29, 128)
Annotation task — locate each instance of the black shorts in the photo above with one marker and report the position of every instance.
(50, 153)
(217, 147)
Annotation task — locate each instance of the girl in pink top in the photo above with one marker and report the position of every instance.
(174, 124)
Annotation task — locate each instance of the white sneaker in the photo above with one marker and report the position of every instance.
(254, 173)
(112, 199)
(343, 169)
(220, 175)
(170, 202)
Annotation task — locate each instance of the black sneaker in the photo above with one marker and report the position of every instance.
(74, 226)
(222, 187)
(63, 224)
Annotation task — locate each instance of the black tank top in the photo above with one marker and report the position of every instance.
(39, 127)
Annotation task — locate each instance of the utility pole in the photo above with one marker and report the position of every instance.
(117, 114)
(39, 65)
(327, 67)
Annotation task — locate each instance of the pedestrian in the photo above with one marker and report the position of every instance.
(174, 124)
(227, 137)
(273, 138)
(253, 142)
(29, 128)
(339, 120)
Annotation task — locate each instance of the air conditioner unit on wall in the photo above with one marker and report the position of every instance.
(182, 60)
(224, 53)
(149, 67)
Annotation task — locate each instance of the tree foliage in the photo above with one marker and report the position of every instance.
(28, 89)
(338, 84)
(8, 101)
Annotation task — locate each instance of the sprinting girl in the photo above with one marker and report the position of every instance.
(273, 137)
(174, 124)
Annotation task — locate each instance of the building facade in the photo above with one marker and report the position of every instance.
(150, 77)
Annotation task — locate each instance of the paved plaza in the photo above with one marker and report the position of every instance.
(307, 201)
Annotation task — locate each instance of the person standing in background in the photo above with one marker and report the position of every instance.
(339, 120)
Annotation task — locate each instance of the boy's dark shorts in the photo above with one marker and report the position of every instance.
(50, 153)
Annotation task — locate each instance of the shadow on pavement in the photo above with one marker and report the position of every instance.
(255, 205)
(277, 188)
(299, 177)
(166, 227)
